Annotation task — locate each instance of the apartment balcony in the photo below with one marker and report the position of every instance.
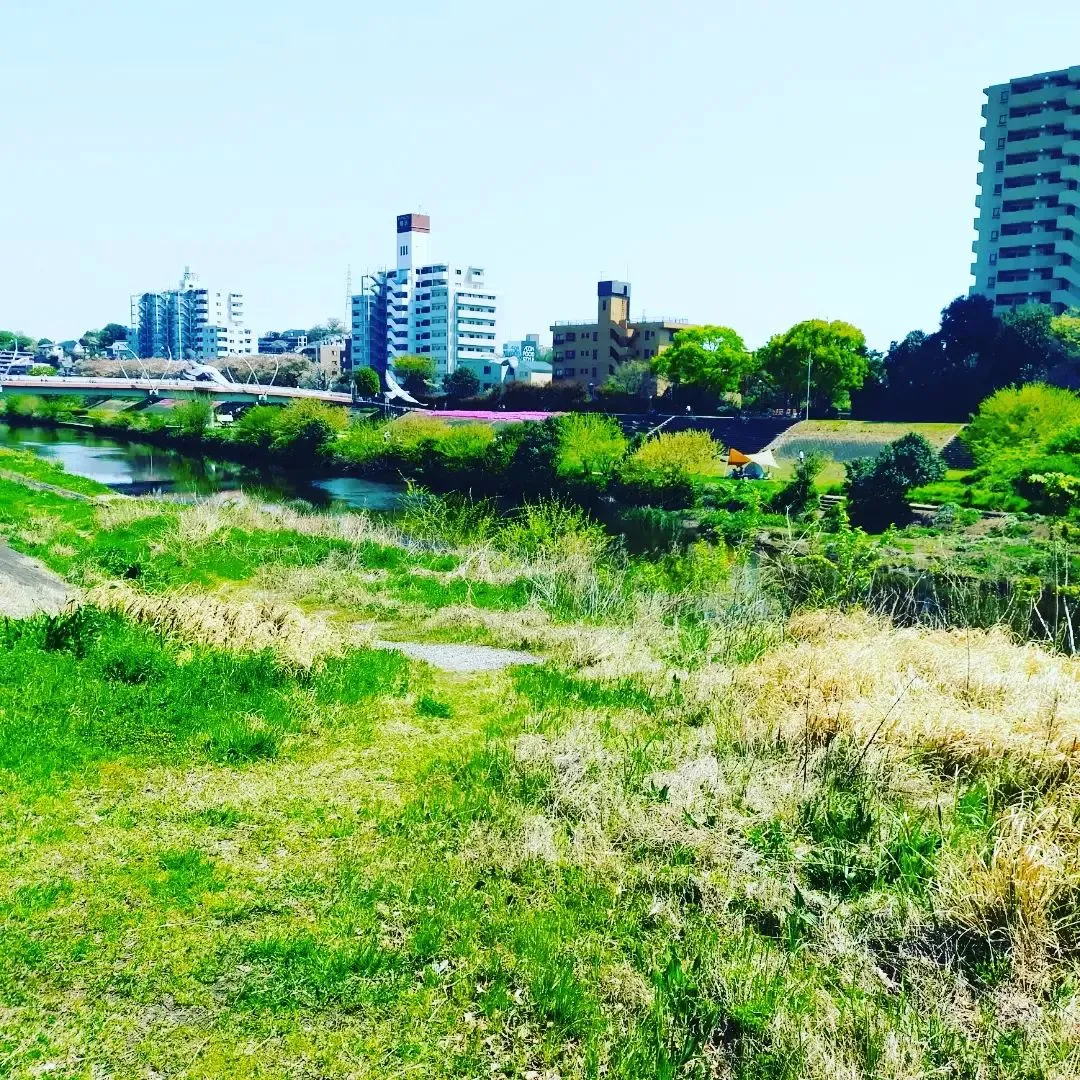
(1017, 217)
(1072, 121)
(1036, 144)
(1069, 224)
(1070, 248)
(1072, 97)
(1040, 96)
(1069, 198)
(1072, 146)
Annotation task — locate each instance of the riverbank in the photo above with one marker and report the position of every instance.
(686, 840)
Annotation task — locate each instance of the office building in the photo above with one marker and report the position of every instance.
(589, 353)
(442, 310)
(1028, 248)
(189, 323)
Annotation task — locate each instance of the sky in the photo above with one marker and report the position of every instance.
(750, 164)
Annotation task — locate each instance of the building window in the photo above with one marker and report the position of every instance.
(1004, 96)
(993, 234)
(999, 167)
(997, 212)
(487, 369)
(993, 259)
(1002, 120)
(1001, 144)
(997, 189)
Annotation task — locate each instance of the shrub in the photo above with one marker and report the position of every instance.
(877, 488)
(42, 369)
(799, 496)
(662, 471)
(367, 382)
(1028, 417)
(257, 426)
(590, 448)
(192, 418)
(306, 427)
(21, 405)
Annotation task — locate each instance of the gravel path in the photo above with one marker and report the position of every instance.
(26, 587)
(461, 658)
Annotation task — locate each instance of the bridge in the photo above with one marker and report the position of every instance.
(139, 388)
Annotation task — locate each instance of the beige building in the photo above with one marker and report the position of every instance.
(590, 353)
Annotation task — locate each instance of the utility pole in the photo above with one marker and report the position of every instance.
(809, 364)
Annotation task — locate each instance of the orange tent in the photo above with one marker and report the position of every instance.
(736, 458)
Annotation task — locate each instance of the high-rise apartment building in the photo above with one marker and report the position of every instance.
(1028, 250)
(441, 310)
(589, 353)
(189, 323)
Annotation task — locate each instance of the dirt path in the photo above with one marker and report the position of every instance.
(461, 658)
(26, 587)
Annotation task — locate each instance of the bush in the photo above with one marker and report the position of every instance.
(591, 446)
(21, 405)
(1029, 417)
(367, 382)
(307, 427)
(877, 488)
(192, 418)
(257, 427)
(42, 369)
(663, 471)
(799, 496)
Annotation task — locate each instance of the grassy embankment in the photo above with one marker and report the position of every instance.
(704, 838)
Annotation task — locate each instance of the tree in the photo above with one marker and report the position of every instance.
(335, 327)
(415, 373)
(193, 417)
(111, 332)
(710, 358)
(1025, 418)
(307, 427)
(1066, 328)
(834, 352)
(42, 369)
(877, 488)
(461, 383)
(9, 339)
(367, 383)
(634, 378)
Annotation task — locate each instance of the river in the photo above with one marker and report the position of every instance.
(138, 468)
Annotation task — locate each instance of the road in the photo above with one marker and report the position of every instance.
(27, 587)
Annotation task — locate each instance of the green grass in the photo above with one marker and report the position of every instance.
(48, 472)
(222, 864)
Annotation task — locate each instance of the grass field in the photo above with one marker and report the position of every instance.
(845, 440)
(703, 839)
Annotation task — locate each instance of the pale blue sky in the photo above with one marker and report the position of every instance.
(750, 164)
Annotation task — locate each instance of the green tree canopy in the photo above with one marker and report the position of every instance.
(461, 383)
(366, 381)
(10, 338)
(415, 373)
(634, 378)
(1066, 328)
(111, 332)
(1025, 417)
(835, 351)
(877, 488)
(712, 358)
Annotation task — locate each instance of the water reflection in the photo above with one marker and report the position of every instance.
(141, 468)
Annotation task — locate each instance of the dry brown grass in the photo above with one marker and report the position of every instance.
(235, 625)
(964, 696)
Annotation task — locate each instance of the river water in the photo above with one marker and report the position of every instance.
(136, 468)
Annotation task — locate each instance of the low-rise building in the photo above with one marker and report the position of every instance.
(589, 353)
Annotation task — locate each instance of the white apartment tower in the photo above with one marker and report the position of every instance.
(440, 310)
(189, 323)
(1028, 250)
